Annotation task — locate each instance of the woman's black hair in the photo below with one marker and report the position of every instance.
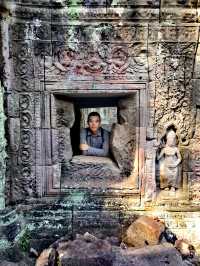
(93, 114)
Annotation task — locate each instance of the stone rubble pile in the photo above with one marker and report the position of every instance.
(146, 242)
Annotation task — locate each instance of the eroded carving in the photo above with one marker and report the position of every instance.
(23, 65)
(128, 61)
(23, 181)
(173, 94)
(169, 161)
(63, 117)
(122, 146)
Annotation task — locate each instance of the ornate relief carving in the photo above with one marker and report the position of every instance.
(25, 119)
(87, 52)
(181, 49)
(154, 3)
(180, 14)
(78, 12)
(173, 96)
(118, 61)
(178, 3)
(24, 101)
(112, 60)
(104, 32)
(34, 30)
(25, 110)
(169, 159)
(64, 145)
(29, 11)
(62, 119)
(23, 66)
(128, 34)
(173, 34)
(193, 162)
(26, 144)
(3, 182)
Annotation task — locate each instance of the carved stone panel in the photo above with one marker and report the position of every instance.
(88, 61)
(22, 62)
(173, 101)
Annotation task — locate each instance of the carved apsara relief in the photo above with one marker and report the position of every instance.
(169, 159)
(171, 104)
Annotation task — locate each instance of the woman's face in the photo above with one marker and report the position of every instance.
(171, 139)
(94, 123)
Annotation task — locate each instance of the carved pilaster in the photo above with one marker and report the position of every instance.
(2, 151)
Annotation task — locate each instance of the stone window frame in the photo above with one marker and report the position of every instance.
(47, 178)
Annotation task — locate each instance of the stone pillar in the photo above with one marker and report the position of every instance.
(4, 55)
(2, 152)
(150, 171)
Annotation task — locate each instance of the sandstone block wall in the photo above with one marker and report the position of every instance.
(83, 48)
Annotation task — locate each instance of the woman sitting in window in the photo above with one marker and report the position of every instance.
(94, 140)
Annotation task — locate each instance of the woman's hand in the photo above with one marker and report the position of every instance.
(84, 147)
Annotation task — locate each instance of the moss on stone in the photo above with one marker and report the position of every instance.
(73, 11)
(4, 244)
(24, 240)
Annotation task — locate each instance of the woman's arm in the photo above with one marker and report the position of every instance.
(178, 156)
(161, 154)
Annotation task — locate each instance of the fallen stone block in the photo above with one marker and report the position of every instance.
(44, 257)
(185, 248)
(157, 255)
(143, 232)
(84, 253)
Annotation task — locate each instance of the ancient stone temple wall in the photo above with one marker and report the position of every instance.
(141, 57)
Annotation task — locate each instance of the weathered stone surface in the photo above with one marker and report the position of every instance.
(148, 256)
(185, 248)
(92, 252)
(128, 111)
(144, 231)
(103, 224)
(122, 143)
(91, 171)
(8, 263)
(169, 163)
(81, 159)
(65, 115)
(53, 51)
(89, 250)
(13, 105)
(64, 145)
(14, 129)
(3, 180)
(43, 259)
(123, 135)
